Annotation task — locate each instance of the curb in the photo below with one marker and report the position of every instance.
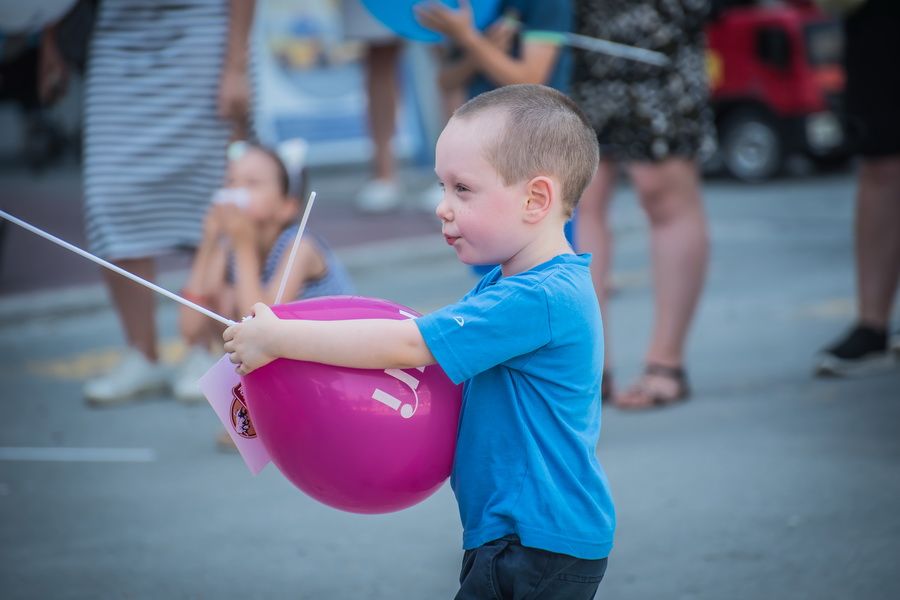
(58, 303)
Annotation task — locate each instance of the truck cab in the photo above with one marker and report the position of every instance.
(776, 85)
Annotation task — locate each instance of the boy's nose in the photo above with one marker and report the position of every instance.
(442, 210)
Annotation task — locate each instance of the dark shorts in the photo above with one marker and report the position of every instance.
(505, 569)
(873, 79)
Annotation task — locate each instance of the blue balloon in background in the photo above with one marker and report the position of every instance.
(398, 16)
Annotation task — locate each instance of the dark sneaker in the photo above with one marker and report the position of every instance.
(863, 350)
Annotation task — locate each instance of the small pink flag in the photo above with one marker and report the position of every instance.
(223, 390)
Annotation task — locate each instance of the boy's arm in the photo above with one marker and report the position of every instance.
(361, 344)
(534, 66)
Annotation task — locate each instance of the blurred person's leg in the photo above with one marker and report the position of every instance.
(670, 195)
(451, 99)
(872, 101)
(877, 239)
(383, 48)
(199, 333)
(381, 193)
(381, 85)
(135, 304)
(593, 234)
(139, 371)
(864, 347)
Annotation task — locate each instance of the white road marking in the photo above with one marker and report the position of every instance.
(49, 454)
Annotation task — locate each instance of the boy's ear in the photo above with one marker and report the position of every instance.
(542, 198)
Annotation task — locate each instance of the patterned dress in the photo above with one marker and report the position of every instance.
(154, 145)
(642, 112)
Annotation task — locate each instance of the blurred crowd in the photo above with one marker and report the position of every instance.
(171, 158)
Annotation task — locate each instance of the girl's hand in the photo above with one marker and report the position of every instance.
(455, 24)
(212, 224)
(236, 224)
(249, 344)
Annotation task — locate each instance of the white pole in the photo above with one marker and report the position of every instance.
(290, 264)
(593, 44)
(602, 46)
(113, 267)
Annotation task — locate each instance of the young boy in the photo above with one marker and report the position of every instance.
(535, 506)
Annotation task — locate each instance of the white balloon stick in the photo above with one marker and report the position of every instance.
(602, 46)
(114, 268)
(593, 44)
(290, 264)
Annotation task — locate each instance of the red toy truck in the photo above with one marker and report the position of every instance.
(776, 81)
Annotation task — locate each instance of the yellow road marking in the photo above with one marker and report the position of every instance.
(832, 308)
(95, 362)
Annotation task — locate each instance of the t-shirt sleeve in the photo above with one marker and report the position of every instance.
(500, 323)
(546, 15)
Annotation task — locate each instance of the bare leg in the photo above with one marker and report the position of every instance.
(878, 239)
(196, 329)
(135, 304)
(670, 195)
(593, 234)
(381, 84)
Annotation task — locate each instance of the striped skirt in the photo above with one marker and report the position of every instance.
(154, 147)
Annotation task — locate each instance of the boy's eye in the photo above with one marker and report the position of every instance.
(461, 188)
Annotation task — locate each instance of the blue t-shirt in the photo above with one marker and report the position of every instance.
(529, 348)
(536, 15)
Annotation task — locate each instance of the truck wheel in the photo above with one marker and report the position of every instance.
(751, 146)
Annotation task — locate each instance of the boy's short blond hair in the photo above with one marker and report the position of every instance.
(545, 133)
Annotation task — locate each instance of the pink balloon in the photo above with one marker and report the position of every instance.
(360, 440)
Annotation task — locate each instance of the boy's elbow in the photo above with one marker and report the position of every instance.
(415, 354)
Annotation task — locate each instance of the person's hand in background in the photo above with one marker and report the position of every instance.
(53, 73)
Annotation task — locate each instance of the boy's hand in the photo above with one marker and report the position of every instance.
(249, 343)
(455, 24)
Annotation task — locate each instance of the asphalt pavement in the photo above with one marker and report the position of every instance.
(767, 484)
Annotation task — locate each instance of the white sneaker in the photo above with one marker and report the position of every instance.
(431, 197)
(186, 385)
(378, 196)
(133, 376)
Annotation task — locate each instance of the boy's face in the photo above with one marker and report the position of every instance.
(480, 214)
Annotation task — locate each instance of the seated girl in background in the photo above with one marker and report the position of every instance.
(247, 238)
